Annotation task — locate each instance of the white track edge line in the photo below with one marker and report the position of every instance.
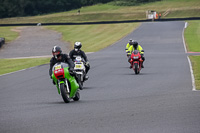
(190, 64)
(17, 71)
(192, 75)
(184, 38)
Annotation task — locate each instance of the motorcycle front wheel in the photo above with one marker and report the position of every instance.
(136, 68)
(64, 93)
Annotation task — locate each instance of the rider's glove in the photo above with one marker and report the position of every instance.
(87, 63)
(71, 71)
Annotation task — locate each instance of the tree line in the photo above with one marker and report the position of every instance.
(16, 8)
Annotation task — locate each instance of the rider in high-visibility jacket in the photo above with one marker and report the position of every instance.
(128, 45)
(136, 46)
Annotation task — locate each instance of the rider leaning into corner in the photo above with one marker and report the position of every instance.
(135, 46)
(58, 56)
(78, 52)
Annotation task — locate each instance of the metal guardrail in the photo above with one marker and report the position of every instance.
(104, 22)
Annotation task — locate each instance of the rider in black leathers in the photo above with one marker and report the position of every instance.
(78, 52)
(58, 56)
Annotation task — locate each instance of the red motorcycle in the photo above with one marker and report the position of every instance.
(136, 61)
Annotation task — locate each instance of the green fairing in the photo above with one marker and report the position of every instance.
(55, 80)
(71, 79)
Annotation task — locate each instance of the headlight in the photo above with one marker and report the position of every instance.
(135, 57)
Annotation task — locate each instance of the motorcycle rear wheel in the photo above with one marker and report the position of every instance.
(64, 93)
(80, 82)
(77, 96)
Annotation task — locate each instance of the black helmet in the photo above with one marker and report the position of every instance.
(56, 51)
(135, 44)
(77, 45)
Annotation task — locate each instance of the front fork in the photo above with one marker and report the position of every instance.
(135, 62)
(63, 82)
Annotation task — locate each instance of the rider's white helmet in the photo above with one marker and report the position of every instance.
(77, 46)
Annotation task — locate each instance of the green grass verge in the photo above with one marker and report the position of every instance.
(18, 64)
(112, 12)
(94, 37)
(8, 33)
(195, 60)
(192, 38)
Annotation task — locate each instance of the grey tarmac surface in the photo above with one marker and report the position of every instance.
(114, 100)
(33, 41)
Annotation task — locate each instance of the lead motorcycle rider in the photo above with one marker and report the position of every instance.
(58, 56)
(135, 46)
(78, 52)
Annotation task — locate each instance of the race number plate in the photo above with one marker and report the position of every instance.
(58, 67)
(78, 66)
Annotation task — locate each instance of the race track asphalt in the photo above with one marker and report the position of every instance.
(33, 41)
(114, 100)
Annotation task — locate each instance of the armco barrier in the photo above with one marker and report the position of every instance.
(105, 22)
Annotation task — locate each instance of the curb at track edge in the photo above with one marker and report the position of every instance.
(190, 64)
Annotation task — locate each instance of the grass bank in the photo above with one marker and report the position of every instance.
(95, 37)
(9, 33)
(195, 60)
(113, 12)
(18, 64)
(192, 38)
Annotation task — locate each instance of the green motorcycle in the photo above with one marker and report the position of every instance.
(66, 84)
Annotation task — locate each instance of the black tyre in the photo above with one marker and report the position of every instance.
(136, 68)
(77, 96)
(64, 93)
(79, 82)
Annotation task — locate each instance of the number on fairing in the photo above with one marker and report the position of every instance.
(78, 66)
(58, 67)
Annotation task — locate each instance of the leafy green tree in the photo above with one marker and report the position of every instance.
(13, 8)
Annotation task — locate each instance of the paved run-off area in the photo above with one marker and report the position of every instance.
(33, 41)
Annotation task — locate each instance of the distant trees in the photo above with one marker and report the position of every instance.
(14, 8)
(131, 2)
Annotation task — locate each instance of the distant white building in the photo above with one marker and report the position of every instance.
(151, 15)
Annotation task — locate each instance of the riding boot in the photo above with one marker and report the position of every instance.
(86, 77)
(142, 65)
(53, 82)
